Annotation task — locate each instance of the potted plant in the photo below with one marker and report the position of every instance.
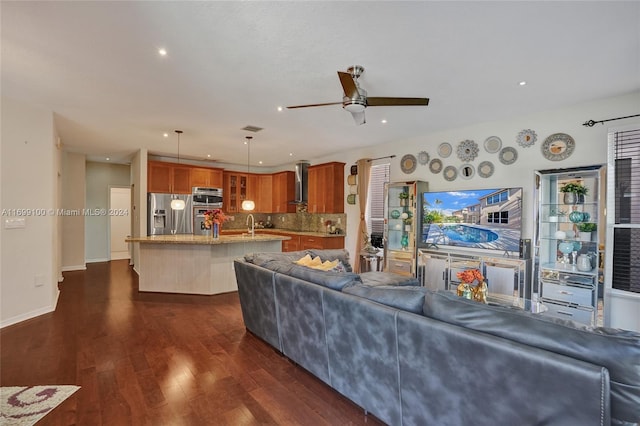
(586, 229)
(403, 198)
(557, 215)
(574, 193)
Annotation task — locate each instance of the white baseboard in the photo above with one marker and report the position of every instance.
(96, 260)
(29, 315)
(74, 268)
(120, 255)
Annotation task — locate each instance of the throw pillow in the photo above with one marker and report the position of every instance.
(308, 261)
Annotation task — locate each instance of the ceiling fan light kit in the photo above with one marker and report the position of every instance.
(355, 98)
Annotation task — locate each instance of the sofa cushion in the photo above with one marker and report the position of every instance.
(331, 279)
(262, 258)
(332, 254)
(374, 278)
(617, 350)
(407, 298)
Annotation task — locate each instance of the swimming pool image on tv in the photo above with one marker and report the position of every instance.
(469, 234)
(483, 219)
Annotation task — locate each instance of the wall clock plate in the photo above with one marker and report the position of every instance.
(408, 163)
(558, 147)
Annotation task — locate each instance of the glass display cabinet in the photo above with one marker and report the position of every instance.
(402, 204)
(569, 242)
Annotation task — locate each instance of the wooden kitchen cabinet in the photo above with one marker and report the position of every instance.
(237, 188)
(326, 188)
(321, 243)
(264, 194)
(168, 178)
(283, 192)
(207, 177)
(291, 245)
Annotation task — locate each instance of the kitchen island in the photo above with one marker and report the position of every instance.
(196, 264)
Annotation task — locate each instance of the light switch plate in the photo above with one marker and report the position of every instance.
(15, 223)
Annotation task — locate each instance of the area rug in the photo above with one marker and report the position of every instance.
(25, 405)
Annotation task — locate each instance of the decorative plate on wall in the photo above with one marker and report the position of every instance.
(423, 157)
(444, 150)
(508, 155)
(435, 166)
(467, 150)
(408, 163)
(466, 171)
(395, 214)
(558, 146)
(526, 138)
(485, 169)
(492, 144)
(450, 173)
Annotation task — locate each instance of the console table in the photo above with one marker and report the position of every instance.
(506, 276)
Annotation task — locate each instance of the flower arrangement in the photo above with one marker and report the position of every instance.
(216, 216)
(477, 292)
(403, 195)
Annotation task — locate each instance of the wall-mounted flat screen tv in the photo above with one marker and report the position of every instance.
(477, 219)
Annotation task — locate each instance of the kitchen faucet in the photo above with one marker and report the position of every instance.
(253, 224)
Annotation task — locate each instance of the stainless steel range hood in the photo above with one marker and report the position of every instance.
(301, 183)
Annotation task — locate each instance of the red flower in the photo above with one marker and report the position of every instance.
(214, 216)
(470, 275)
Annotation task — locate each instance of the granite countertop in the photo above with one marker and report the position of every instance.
(205, 240)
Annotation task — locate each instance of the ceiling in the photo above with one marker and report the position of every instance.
(231, 64)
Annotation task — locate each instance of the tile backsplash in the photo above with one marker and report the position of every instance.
(302, 221)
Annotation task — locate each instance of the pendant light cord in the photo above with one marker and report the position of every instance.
(179, 132)
(249, 153)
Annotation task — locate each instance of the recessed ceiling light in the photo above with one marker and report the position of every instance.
(107, 158)
(280, 108)
(384, 121)
(523, 83)
(162, 51)
(166, 135)
(291, 154)
(260, 162)
(208, 155)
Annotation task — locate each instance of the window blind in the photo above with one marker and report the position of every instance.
(375, 220)
(626, 233)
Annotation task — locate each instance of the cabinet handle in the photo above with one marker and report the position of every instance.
(566, 292)
(565, 313)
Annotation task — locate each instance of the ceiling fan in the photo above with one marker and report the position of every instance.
(355, 98)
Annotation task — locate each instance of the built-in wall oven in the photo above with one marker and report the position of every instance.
(204, 199)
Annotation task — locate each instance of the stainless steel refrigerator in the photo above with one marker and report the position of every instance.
(161, 220)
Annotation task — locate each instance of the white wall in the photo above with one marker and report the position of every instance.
(98, 178)
(29, 271)
(73, 198)
(139, 181)
(591, 148)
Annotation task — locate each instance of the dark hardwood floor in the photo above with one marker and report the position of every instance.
(160, 359)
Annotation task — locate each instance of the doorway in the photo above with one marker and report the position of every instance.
(119, 222)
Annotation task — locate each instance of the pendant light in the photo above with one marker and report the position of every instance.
(177, 204)
(248, 204)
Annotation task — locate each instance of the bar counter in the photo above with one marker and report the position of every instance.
(196, 264)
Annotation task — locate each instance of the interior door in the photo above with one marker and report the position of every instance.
(119, 221)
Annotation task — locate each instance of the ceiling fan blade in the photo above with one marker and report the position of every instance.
(377, 101)
(314, 105)
(358, 117)
(348, 85)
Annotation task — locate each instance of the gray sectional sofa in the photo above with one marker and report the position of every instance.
(410, 356)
